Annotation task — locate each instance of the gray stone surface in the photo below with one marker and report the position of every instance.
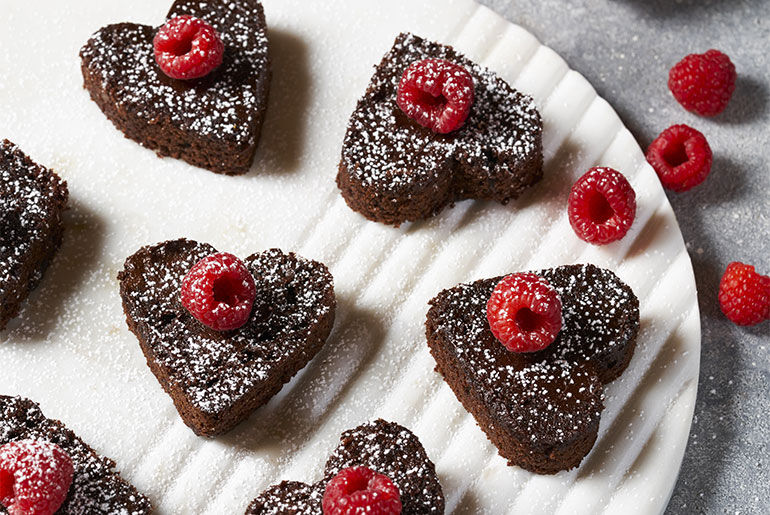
(625, 49)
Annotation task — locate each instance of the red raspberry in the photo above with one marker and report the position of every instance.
(703, 83)
(681, 156)
(602, 206)
(437, 94)
(524, 312)
(187, 47)
(219, 291)
(744, 295)
(35, 477)
(361, 490)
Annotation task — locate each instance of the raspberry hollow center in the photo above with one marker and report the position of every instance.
(432, 101)
(675, 155)
(599, 208)
(528, 320)
(226, 291)
(358, 483)
(179, 47)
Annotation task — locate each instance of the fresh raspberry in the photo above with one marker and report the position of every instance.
(744, 295)
(524, 312)
(681, 156)
(35, 477)
(187, 47)
(437, 94)
(361, 490)
(602, 206)
(219, 291)
(703, 83)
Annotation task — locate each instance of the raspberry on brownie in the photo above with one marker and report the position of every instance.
(35, 476)
(213, 122)
(188, 48)
(96, 486)
(360, 489)
(408, 152)
(217, 378)
(540, 409)
(32, 203)
(524, 312)
(387, 450)
(219, 292)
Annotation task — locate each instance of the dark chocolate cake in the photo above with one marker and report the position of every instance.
(541, 410)
(213, 122)
(217, 379)
(385, 447)
(32, 202)
(96, 486)
(393, 170)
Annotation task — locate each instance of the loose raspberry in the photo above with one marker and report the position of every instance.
(437, 94)
(602, 206)
(703, 83)
(681, 156)
(35, 477)
(524, 312)
(361, 490)
(744, 295)
(187, 47)
(219, 291)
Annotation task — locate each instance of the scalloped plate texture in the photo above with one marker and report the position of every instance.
(70, 349)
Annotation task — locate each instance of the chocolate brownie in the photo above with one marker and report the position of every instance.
(393, 170)
(217, 379)
(32, 203)
(541, 410)
(385, 447)
(96, 486)
(213, 122)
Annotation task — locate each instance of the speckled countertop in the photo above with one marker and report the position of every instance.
(625, 49)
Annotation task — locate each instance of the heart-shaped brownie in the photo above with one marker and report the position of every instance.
(394, 170)
(96, 485)
(541, 409)
(217, 379)
(32, 204)
(384, 447)
(213, 122)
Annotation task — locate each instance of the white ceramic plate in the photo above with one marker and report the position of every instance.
(71, 351)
